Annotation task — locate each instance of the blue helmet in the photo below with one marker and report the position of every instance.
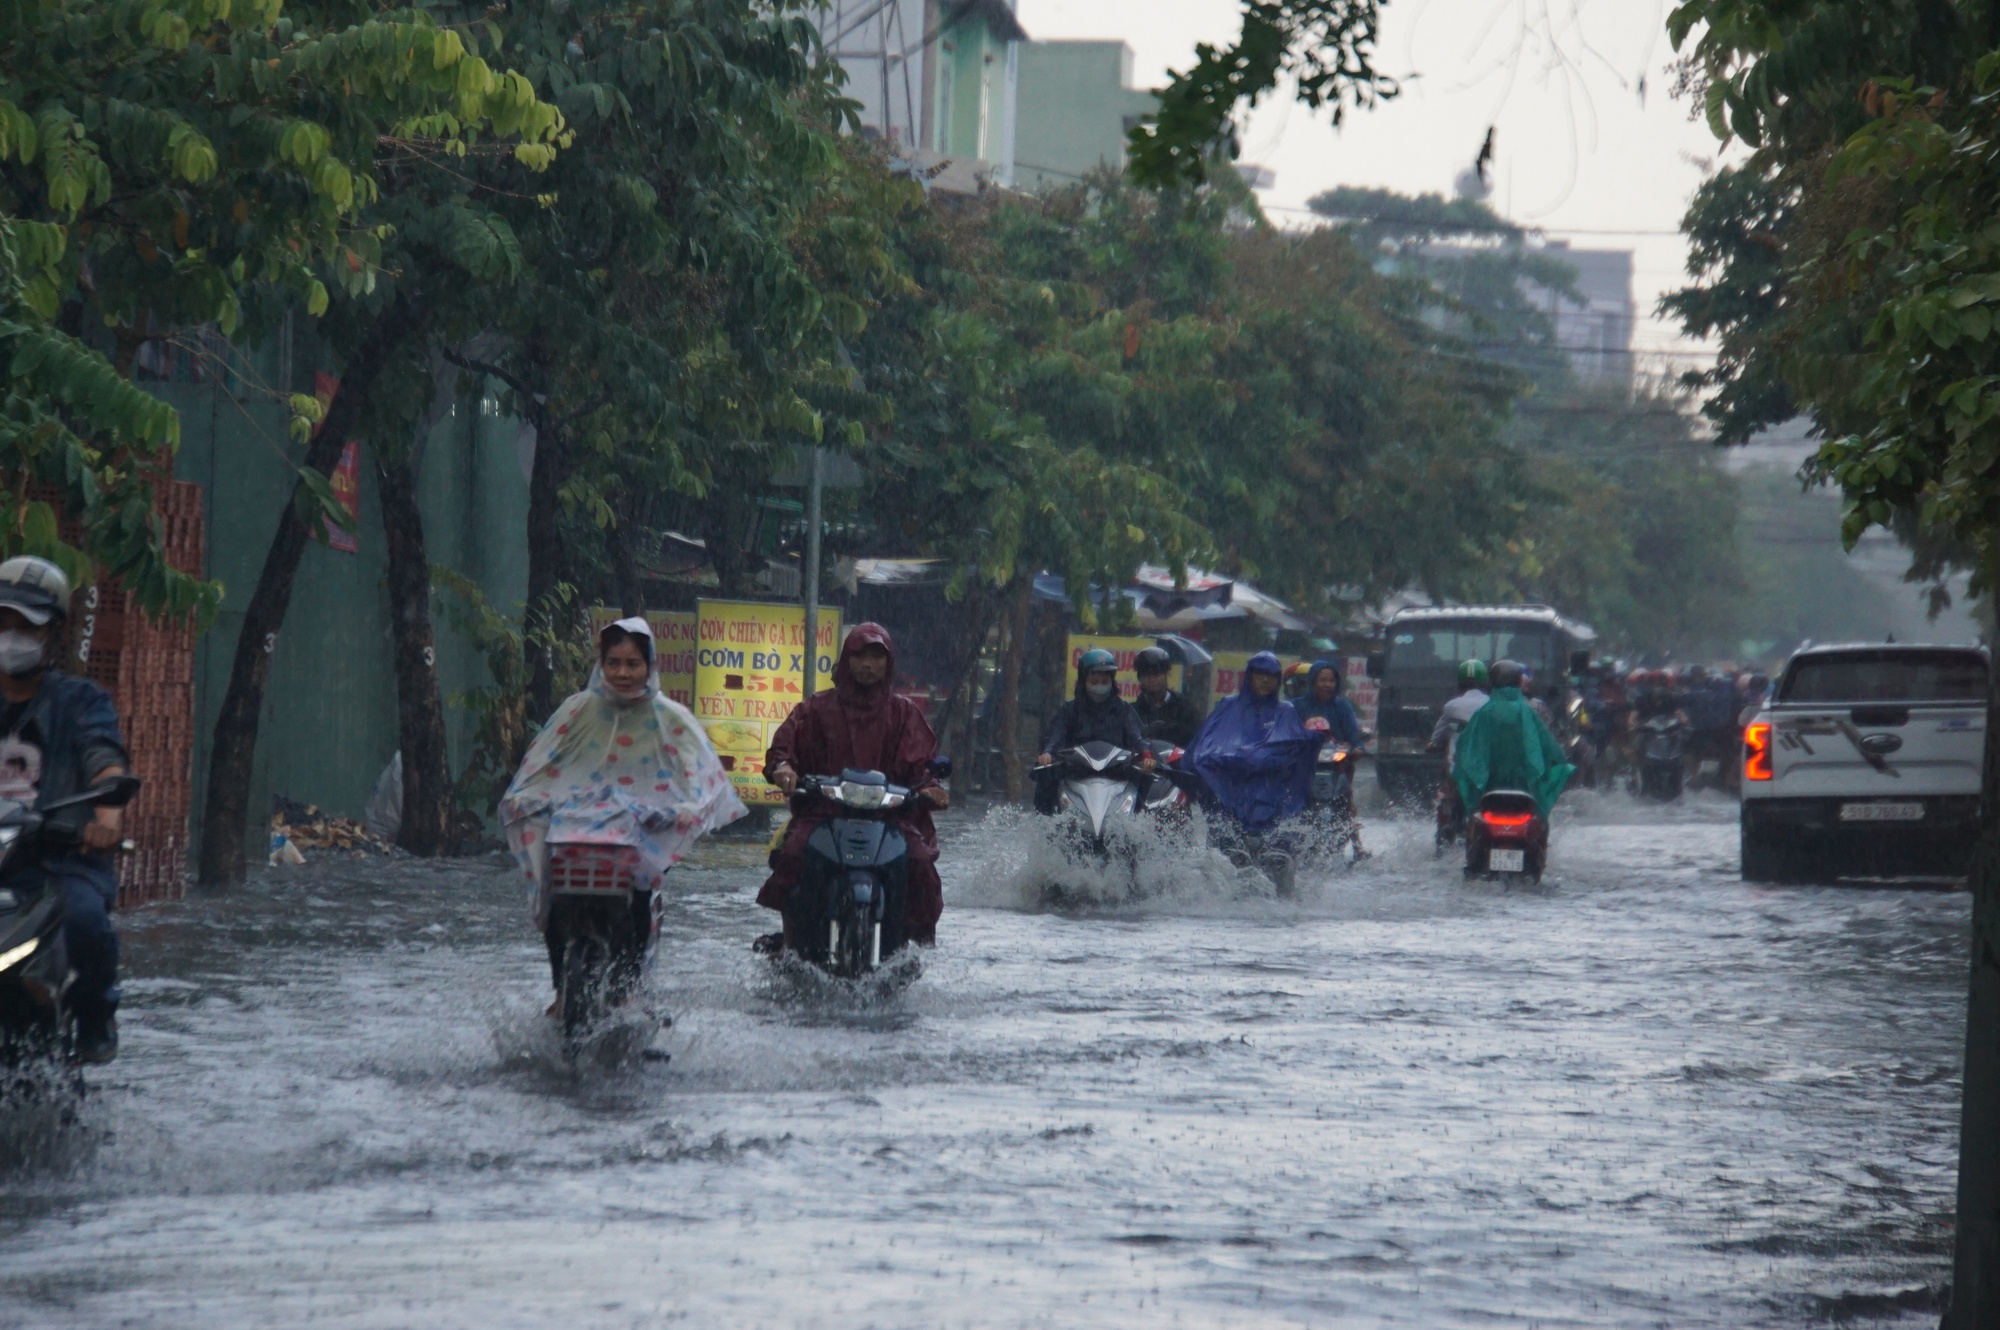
(1097, 658)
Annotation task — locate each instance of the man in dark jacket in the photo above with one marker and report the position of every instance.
(1096, 714)
(59, 736)
(860, 722)
(1163, 713)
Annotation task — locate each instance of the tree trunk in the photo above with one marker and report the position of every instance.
(1052, 658)
(1975, 1287)
(1020, 600)
(427, 793)
(546, 563)
(630, 587)
(725, 529)
(224, 822)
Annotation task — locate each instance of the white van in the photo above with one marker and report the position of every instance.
(1866, 762)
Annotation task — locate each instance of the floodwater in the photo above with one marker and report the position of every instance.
(1643, 1094)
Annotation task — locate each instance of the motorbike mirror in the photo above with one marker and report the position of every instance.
(941, 767)
(1376, 660)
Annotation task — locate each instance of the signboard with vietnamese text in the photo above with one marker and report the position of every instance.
(1124, 648)
(1359, 689)
(673, 648)
(1229, 667)
(749, 672)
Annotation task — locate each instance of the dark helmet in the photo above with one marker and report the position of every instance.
(1505, 674)
(1153, 660)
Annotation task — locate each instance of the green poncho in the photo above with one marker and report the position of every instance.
(1507, 747)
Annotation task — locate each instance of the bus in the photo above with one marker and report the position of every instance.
(1416, 672)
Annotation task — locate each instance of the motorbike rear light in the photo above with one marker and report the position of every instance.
(1173, 758)
(1507, 820)
(1757, 751)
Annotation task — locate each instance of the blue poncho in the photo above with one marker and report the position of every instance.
(1255, 754)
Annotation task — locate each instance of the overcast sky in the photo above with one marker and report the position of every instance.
(1591, 144)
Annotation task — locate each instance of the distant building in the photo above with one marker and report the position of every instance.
(1597, 334)
(935, 80)
(1076, 105)
(958, 90)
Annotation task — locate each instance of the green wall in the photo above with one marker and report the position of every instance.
(329, 721)
(1072, 103)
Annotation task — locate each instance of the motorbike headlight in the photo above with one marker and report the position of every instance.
(15, 955)
(8, 835)
(862, 796)
(894, 800)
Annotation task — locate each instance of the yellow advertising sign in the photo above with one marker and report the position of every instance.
(1125, 648)
(1229, 667)
(749, 672)
(673, 648)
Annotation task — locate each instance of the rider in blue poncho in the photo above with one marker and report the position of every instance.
(1254, 753)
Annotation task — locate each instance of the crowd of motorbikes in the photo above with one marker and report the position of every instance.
(1658, 732)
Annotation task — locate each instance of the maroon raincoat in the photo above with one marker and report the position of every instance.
(869, 729)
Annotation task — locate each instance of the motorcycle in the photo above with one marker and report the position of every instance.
(1331, 803)
(1101, 786)
(847, 912)
(603, 925)
(1580, 750)
(1506, 835)
(37, 1028)
(1660, 746)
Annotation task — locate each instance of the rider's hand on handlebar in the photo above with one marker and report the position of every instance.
(1147, 761)
(937, 796)
(1045, 759)
(784, 778)
(101, 835)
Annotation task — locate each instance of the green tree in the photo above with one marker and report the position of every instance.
(254, 145)
(1325, 47)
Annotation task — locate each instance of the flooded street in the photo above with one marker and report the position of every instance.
(1644, 1094)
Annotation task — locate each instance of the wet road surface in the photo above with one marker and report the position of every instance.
(1642, 1095)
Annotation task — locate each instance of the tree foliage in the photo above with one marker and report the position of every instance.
(166, 164)
(1326, 48)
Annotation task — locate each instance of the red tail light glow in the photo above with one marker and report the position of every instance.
(1509, 820)
(1757, 751)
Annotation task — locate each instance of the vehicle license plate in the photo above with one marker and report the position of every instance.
(1881, 812)
(1507, 861)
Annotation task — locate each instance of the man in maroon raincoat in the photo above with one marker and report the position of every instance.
(860, 723)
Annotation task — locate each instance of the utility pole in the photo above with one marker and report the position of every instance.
(809, 584)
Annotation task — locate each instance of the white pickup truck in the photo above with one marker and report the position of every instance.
(1866, 762)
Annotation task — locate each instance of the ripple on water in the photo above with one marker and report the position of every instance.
(1645, 1094)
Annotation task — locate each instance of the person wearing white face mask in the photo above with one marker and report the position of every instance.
(59, 736)
(1095, 714)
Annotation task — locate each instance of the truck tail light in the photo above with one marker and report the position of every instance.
(1757, 751)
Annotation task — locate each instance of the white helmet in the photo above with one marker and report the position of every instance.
(34, 588)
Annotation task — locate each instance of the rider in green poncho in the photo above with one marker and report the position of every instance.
(1506, 746)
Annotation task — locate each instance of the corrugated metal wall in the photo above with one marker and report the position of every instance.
(329, 723)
